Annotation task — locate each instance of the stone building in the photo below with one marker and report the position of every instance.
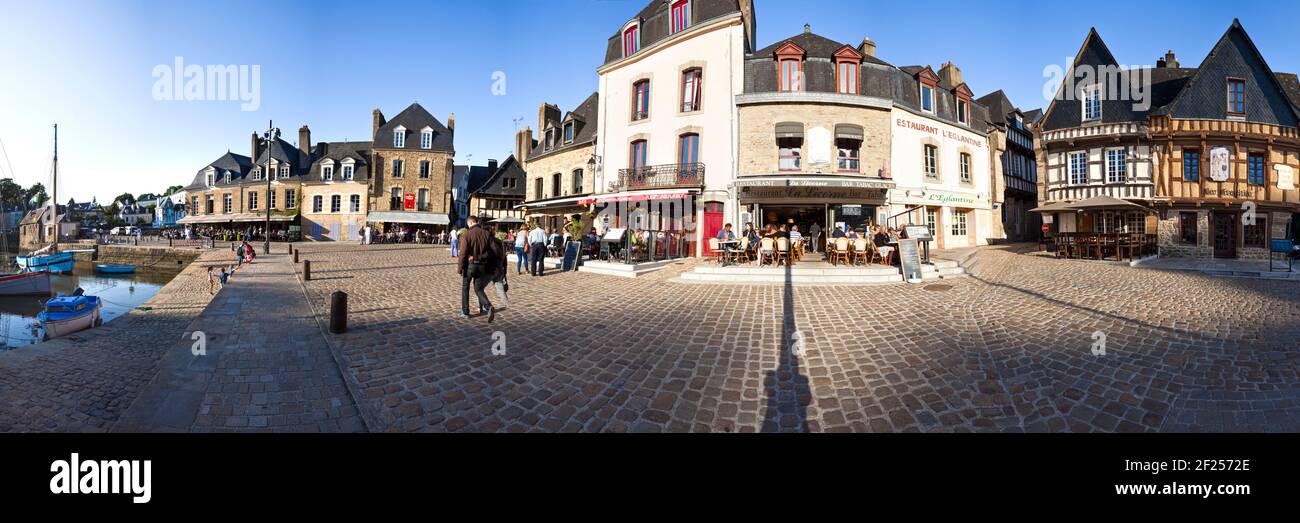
(231, 192)
(335, 191)
(38, 227)
(411, 170)
(559, 167)
(501, 192)
(814, 135)
(1015, 191)
(1212, 151)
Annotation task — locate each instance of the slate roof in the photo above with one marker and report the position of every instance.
(584, 118)
(237, 164)
(656, 19)
(998, 105)
(415, 118)
(761, 74)
(1069, 113)
(469, 176)
(285, 152)
(492, 185)
(359, 152)
(907, 93)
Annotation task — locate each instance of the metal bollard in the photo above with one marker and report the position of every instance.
(295, 256)
(338, 312)
(306, 270)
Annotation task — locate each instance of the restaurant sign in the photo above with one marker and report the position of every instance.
(953, 199)
(806, 189)
(1285, 177)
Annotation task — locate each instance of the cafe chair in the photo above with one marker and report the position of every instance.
(766, 251)
(783, 250)
(873, 253)
(842, 251)
(715, 249)
(741, 254)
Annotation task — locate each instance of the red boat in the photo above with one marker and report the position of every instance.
(27, 283)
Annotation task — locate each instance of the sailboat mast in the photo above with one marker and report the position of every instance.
(54, 192)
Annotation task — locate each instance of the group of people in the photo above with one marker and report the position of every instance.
(880, 235)
(253, 233)
(752, 248)
(244, 253)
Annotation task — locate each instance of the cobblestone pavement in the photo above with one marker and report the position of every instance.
(83, 382)
(1010, 348)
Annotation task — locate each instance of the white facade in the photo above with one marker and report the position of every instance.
(960, 207)
(717, 47)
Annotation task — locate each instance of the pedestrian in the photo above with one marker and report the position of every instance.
(537, 250)
(815, 231)
(250, 252)
(366, 239)
(455, 243)
(239, 255)
(225, 274)
(476, 265)
(521, 249)
(212, 281)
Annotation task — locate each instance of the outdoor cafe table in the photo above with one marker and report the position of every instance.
(727, 245)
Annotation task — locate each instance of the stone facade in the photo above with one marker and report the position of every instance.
(326, 224)
(1170, 237)
(758, 149)
(383, 180)
(565, 163)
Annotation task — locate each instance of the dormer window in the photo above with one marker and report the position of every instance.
(847, 60)
(550, 138)
(927, 80)
(681, 12)
(1092, 102)
(927, 98)
(963, 111)
(789, 60)
(631, 38)
(1236, 97)
(568, 132)
(399, 137)
(284, 171)
(227, 176)
(209, 178)
(347, 172)
(426, 138)
(257, 173)
(327, 172)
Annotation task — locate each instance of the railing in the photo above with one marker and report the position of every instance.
(662, 176)
(890, 220)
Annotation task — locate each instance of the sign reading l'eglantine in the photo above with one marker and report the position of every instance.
(951, 198)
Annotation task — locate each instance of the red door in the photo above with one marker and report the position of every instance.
(712, 224)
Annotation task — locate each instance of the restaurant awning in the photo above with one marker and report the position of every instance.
(637, 196)
(233, 217)
(848, 131)
(789, 130)
(1106, 203)
(426, 218)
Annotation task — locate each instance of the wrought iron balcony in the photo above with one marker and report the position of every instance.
(662, 176)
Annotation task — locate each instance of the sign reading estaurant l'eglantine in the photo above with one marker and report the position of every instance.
(935, 130)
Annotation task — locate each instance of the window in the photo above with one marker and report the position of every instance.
(1191, 165)
(537, 189)
(1116, 166)
(194, 204)
(1092, 102)
(397, 168)
(790, 74)
(257, 173)
(688, 149)
(227, 176)
(691, 89)
(958, 223)
(395, 199)
(555, 185)
(636, 160)
(927, 98)
(577, 181)
(1136, 222)
(210, 179)
(568, 132)
(327, 172)
(252, 201)
(290, 199)
(1255, 235)
(931, 163)
(1187, 228)
(965, 167)
(355, 201)
(336, 203)
(1236, 96)
(1255, 169)
(847, 153)
(422, 200)
(399, 138)
(549, 142)
(424, 168)
(426, 139)
(270, 200)
(284, 171)
(1078, 168)
(963, 111)
(227, 203)
(641, 100)
(932, 221)
(791, 153)
(347, 172)
(846, 77)
(631, 40)
(681, 15)
(316, 203)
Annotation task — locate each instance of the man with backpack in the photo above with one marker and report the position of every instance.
(480, 258)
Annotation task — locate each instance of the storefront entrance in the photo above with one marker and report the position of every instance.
(1224, 234)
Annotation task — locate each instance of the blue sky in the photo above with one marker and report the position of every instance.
(87, 65)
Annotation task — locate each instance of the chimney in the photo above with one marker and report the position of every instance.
(256, 150)
(451, 122)
(376, 123)
(492, 166)
(950, 75)
(304, 140)
(868, 47)
(807, 28)
(322, 149)
(523, 145)
(546, 114)
(1171, 61)
(747, 15)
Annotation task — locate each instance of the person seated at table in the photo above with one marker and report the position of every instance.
(725, 234)
(851, 234)
(795, 236)
(782, 233)
(882, 241)
(838, 232)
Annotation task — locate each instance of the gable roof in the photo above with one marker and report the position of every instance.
(237, 164)
(358, 152)
(1205, 94)
(1066, 112)
(585, 117)
(493, 183)
(814, 45)
(414, 119)
(656, 18)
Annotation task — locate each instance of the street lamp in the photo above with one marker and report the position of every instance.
(272, 133)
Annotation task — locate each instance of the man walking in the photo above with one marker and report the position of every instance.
(537, 249)
(815, 231)
(476, 265)
(455, 245)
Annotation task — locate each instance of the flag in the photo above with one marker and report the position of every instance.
(36, 200)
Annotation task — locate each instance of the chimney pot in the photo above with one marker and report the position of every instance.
(304, 140)
(868, 47)
(1170, 59)
(451, 122)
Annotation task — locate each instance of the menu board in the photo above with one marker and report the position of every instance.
(909, 260)
(918, 232)
(614, 234)
(570, 261)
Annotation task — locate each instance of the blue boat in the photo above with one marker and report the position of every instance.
(68, 314)
(115, 269)
(59, 262)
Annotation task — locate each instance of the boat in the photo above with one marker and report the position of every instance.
(115, 269)
(25, 283)
(60, 262)
(54, 261)
(65, 315)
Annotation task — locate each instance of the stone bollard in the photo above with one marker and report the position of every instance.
(338, 312)
(306, 270)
